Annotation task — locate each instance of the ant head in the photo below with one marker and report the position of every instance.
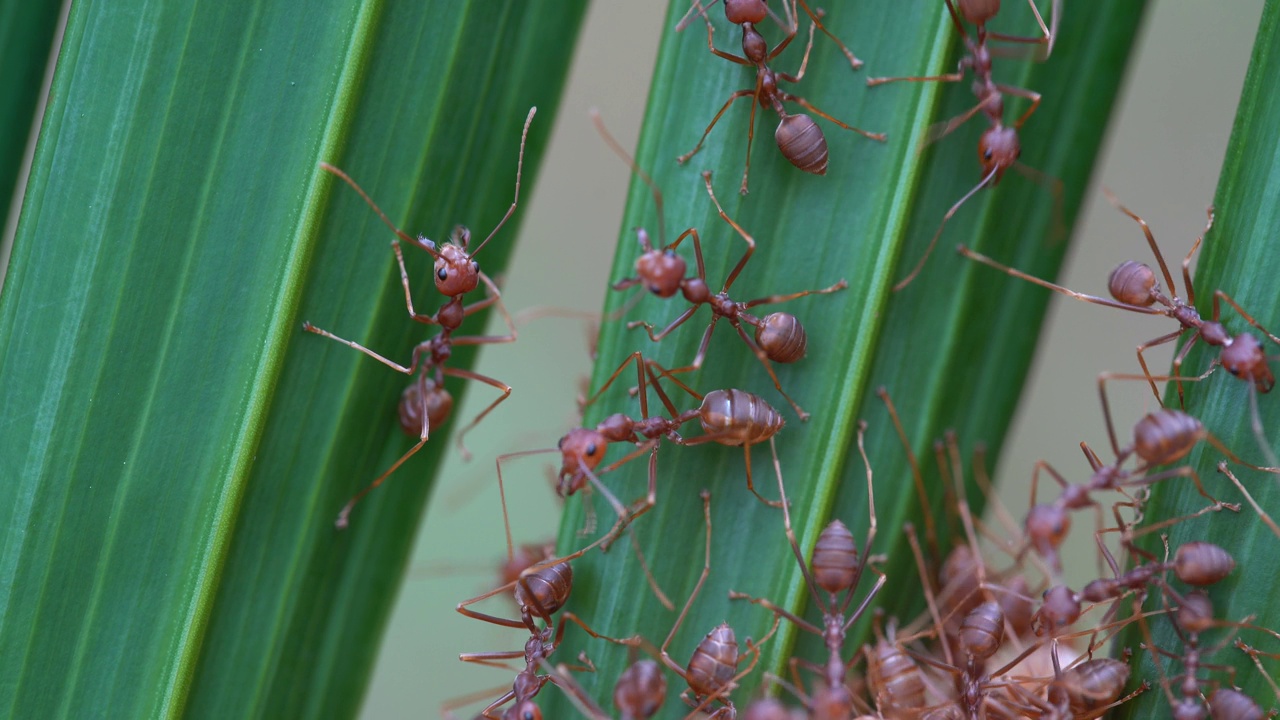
(1243, 357)
(998, 150)
(745, 11)
(978, 12)
(438, 403)
(1131, 283)
(641, 689)
(1060, 609)
(833, 701)
(661, 271)
(456, 273)
(524, 710)
(581, 449)
(1047, 526)
(1195, 612)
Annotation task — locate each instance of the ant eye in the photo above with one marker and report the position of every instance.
(670, 253)
(591, 449)
(475, 266)
(986, 155)
(442, 274)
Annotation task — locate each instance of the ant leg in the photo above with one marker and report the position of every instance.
(648, 327)
(881, 137)
(1034, 97)
(746, 453)
(448, 706)
(1247, 317)
(468, 375)
(1146, 231)
(751, 135)
(344, 516)
(702, 579)
(1142, 361)
(711, 45)
(904, 282)
(1186, 261)
(979, 257)
(815, 17)
(502, 494)
(702, 347)
(939, 130)
(1222, 468)
(773, 299)
(357, 346)
(956, 76)
(528, 120)
(637, 358)
(750, 241)
(408, 294)
(930, 529)
(735, 96)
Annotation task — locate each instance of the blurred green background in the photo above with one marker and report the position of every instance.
(1161, 158)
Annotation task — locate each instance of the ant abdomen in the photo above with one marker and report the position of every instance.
(782, 337)
(1131, 283)
(1195, 613)
(1094, 684)
(1017, 606)
(835, 558)
(1202, 563)
(998, 150)
(802, 143)
(982, 631)
(978, 12)
(1166, 436)
(545, 590)
(439, 405)
(896, 680)
(745, 11)
(641, 689)
(1229, 704)
(738, 418)
(714, 661)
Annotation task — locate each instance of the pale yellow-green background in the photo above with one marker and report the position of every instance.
(1162, 158)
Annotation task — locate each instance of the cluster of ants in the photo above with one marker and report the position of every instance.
(993, 643)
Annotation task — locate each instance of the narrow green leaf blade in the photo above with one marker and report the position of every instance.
(868, 220)
(1238, 256)
(177, 460)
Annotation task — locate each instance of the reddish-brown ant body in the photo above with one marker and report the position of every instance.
(539, 594)
(1160, 438)
(1133, 287)
(712, 672)
(836, 568)
(998, 147)
(729, 417)
(426, 401)
(779, 336)
(798, 136)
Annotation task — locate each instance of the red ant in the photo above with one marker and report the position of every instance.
(712, 671)
(427, 402)
(729, 417)
(539, 595)
(836, 568)
(999, 147)
(1194, 616)
(639, 693)
(798, 136)
(1134, 288)
(1160, 438)
(779, 336)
